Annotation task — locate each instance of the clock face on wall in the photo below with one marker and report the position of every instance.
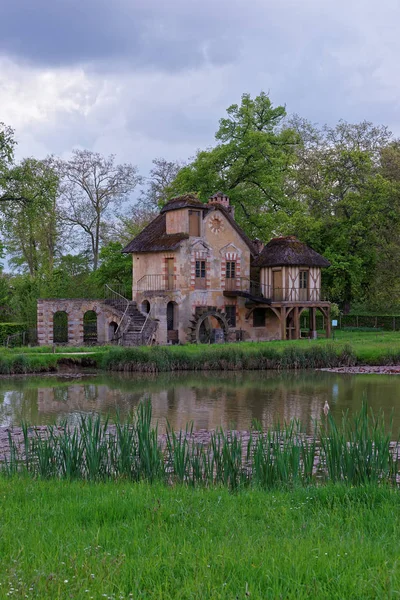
(216, 224)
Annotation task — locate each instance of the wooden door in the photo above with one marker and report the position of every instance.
(277, 285)
(170, 274)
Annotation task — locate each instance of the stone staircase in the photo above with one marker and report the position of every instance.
(137, 330)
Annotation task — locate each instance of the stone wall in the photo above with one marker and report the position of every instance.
(75, 310)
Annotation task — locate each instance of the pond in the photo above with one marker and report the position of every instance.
(208, 399)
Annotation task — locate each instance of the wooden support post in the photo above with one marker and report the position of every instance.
(296, 323)
(328, 322)
(313, 324)
(283, 323)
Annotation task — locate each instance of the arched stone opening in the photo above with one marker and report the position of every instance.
(145, 306)
(208, 326)
(112, 328)
(90, 327)
(60, 327)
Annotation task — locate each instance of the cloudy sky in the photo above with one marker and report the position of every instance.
(151, 78)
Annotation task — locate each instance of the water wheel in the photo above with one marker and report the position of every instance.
(204, 323)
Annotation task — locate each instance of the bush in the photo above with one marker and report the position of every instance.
(7, 329)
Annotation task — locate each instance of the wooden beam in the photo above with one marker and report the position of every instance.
(328, 323)
(283, 323)
(313, 323)
(296, 317)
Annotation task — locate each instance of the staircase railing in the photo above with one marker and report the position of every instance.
(121, 303)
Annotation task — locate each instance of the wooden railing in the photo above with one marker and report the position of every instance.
(275, 294)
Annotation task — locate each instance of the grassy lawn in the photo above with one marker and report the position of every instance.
(120, 540)
(372, 348)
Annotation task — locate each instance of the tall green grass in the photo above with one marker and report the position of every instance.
(356, 451)
(230, 357)
(17, 364)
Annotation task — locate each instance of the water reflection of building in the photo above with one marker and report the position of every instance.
(209, 400)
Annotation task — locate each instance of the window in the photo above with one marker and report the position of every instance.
(194, 222)
(303, 292)
(303, 280)
(230, 272)
(200, 280)
(200, 268)
(231, 315)
(259, 317)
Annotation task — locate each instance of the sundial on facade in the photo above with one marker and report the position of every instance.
(216, 224)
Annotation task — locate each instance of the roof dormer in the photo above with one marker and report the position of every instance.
(184, 215)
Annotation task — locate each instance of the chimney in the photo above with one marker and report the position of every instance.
(221, 198)
(259, 245)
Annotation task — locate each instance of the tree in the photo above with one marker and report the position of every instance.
(249, 163)
(91, 186)
(157, 184)
(344, 203)
(115, 267)
(7, 144)
(31, 228)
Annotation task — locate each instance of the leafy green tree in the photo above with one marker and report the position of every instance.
(343, 202)
(32, 229)
(249, 163)
(115, 267)
(7, 145)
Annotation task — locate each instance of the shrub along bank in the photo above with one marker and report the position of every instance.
(346, 350)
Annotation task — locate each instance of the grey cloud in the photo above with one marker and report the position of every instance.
(170, 35)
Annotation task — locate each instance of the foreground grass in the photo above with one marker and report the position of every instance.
(120, 540)
(348, 348)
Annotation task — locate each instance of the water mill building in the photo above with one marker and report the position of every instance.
(197, 277)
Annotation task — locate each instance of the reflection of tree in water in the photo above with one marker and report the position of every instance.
(17, 406)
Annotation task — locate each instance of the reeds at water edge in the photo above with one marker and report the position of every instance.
(357, 450)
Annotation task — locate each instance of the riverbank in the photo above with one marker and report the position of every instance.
(121, 540)
(347, 350)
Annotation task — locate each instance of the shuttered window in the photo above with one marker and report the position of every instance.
(194, 223)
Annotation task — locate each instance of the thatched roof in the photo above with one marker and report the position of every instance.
(154, 238)
(185, 201)
(289, 251)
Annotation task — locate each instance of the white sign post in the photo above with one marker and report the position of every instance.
(334, 324)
